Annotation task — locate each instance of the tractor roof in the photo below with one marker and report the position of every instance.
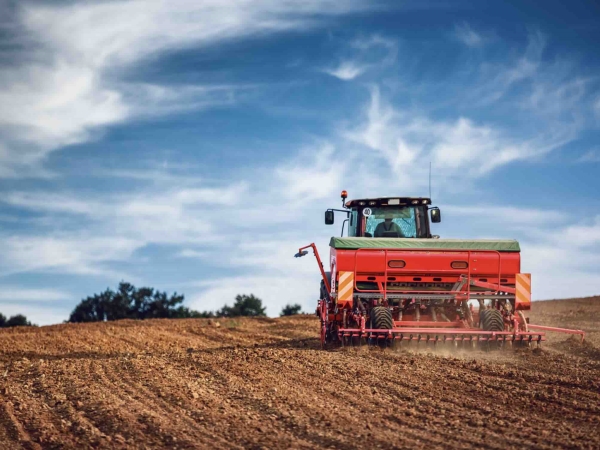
(353, 243)
(389, 201)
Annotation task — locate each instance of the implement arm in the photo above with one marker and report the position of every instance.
(302, 251)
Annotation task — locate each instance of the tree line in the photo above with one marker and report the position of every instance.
(129, 302)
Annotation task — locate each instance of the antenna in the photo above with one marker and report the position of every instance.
(429, 180)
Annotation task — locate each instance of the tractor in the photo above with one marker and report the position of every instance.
(391, 280)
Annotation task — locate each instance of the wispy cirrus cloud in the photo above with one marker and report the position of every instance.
(111, 228)
(548, 96)
(347, 70)
(312, 177)
(510, 215)
(362, 55)
(591, 156)
(65, 253)
(409, 140)
(465, 34)
(65, 83)
(551, 89)
(19, 294)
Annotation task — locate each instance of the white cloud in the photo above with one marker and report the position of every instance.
(499, 79)
(44, 107)
(581, 235)
(347, 70)
(315, 177)
(19, 294)
(41, 201)
(66, 85)
(465, 34)
(528, 64)
(189, 253)
(508, 215)
(119, 33)
(84, 255)
(592, 156)
(557, 98)
(112, 227)
(409, 140)
(368, 53)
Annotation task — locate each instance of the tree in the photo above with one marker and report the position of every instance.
(245, 305)
(18, 320)
(291, 310)
(131, 303)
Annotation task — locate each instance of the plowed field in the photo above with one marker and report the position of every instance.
(264, 383)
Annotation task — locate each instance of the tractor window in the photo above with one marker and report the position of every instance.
(353, 224)
(402, 222)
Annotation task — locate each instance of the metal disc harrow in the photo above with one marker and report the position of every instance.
(422, 337)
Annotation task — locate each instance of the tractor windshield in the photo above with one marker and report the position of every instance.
(390, 222)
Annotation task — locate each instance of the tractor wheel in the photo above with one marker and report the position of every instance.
(323, 294)
(380, 319)
(491, 320)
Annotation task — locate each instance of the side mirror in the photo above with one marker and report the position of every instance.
(436, 215)
(328, 217)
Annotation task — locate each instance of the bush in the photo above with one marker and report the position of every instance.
(291, 310)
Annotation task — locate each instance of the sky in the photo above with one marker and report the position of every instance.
(193, 146)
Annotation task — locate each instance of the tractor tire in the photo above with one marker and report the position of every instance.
(323, 294)
(381, 318)
(491, 320)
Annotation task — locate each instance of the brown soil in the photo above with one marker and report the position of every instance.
(264, 383)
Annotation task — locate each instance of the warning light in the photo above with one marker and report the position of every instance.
(344, 195)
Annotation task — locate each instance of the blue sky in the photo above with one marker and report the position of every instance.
(193, 146)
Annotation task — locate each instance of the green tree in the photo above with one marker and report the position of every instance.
(245, 305)
(291, 310)
(128, 302)
(18, 320)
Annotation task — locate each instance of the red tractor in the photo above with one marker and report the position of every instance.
(391, 280)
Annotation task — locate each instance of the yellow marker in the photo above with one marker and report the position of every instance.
(346, 286)
(523, 291)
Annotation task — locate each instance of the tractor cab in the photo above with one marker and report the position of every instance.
(387, 217)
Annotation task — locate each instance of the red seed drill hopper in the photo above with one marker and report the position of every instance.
(391, 281)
